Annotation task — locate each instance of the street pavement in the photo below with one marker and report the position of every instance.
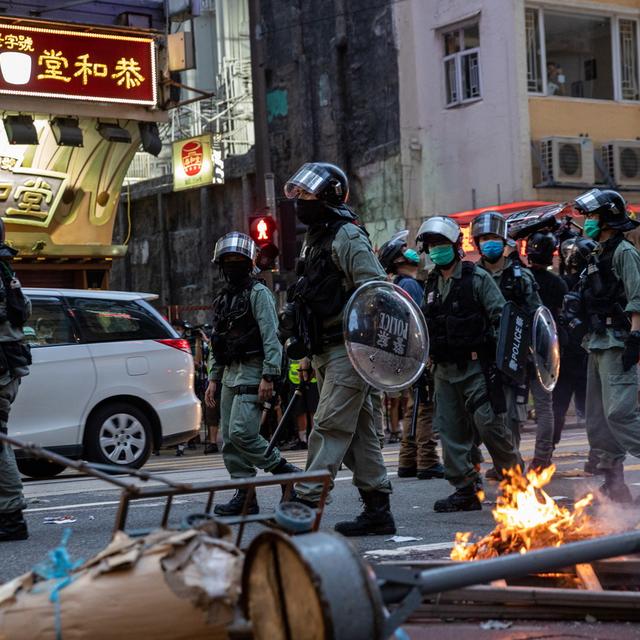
(91, 505)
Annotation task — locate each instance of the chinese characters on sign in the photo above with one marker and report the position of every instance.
(196, 163)
(30, 196)
(105, 67)
(392, 334)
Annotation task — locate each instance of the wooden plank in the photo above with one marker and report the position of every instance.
(588, 577)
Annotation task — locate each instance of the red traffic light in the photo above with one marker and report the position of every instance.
(261, 229)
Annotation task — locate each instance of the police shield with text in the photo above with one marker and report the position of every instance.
(15, 359)
(462, 307)
(336, 259)
(610, 313)
(245, 359)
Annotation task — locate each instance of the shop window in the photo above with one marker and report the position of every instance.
(462, 65)
(581, 56)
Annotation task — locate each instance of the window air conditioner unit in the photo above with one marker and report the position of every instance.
(568, 160)
(622, 161)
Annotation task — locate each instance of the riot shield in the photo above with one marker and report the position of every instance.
(514, 340)
(386, 336)
(546, 348)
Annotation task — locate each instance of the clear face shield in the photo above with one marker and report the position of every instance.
(309, 179)
(590, 201)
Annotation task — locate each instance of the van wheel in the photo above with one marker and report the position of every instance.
(118, 434)
(39, 469)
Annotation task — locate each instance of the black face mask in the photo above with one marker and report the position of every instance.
(236, 273)
(312, 212)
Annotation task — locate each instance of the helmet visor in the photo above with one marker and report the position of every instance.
(489, 223)
(590, 201)
(310, 178)
(237, 243)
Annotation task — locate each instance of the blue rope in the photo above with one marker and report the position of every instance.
(58, 567)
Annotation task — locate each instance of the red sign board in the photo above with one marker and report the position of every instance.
(72, 64)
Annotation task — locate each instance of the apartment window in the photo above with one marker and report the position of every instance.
(581, 56)
(462, 65)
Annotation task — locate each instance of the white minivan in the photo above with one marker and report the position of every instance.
(111, 381)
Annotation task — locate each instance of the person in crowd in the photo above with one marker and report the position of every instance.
(610, 295)
(462, 306)
(517, 285)
(418, 454)
(245, 361)
(15, 359)
(336, 258)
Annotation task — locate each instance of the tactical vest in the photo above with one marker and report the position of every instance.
(236, 335)
(603, 292)
(321, 288)
(458, 327)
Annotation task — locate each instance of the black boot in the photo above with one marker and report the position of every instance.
(464, 499)
(434, 471)
(407, 472)
(614, 486)
(235, 505)
(13, 527)
(284, 467)
(375, 519)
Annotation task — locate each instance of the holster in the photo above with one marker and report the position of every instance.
(15, 357)
(495, 390)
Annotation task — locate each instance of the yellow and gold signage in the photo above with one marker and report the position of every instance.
(72, 64)
(29, 196)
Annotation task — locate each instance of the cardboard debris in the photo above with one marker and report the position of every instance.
(167, 586)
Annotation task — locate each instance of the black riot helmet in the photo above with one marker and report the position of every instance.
(488, 222)
(395, 251)
(523, 224)
(540, 247)
(610, 207)
(577, 252)
(325, 181)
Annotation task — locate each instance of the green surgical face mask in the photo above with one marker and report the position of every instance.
(592, 227)
(442, 255)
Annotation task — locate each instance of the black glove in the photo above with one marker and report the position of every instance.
(631, 353)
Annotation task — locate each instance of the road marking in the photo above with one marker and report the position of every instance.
(105, 503)
(413, 548)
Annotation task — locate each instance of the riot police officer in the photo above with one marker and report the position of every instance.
(418, 455)
(610, 294)
(15, 359)
(517, 284)
(462, 307)
(245, 358)
(336, 259)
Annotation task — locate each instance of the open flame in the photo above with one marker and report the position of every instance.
(527, 518)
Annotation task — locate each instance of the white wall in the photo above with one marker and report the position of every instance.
(448, 153)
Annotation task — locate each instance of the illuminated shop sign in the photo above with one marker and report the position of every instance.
(62, 63)
(196, 163)
(29, 196)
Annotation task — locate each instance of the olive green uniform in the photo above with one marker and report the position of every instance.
(461, 394)
(344, 427)
(240, 411)
(612, 415)
(11, 497)
(517, 401)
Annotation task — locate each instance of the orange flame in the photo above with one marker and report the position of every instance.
(527, 518)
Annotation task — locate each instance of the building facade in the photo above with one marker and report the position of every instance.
(507, 100)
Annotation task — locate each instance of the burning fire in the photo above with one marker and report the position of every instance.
(527, 518)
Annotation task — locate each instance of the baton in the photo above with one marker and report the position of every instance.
(285, 415)
(414, 413)
(305, 399)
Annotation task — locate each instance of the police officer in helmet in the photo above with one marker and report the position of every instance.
(418, 455)
(336, 259)
(245, 359)
(462, 307)
(610, 294)
(517, 284)
(15, 309)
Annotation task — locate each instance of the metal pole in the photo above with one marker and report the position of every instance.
(285, 415)
(414, 413)
(516, 565)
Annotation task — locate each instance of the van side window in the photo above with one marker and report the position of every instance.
(116, 320)
(48, 324)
